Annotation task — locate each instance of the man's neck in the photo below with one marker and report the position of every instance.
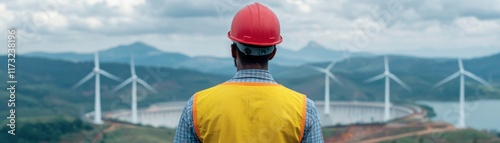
(252, 66)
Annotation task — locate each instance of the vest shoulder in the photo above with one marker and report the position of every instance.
(226, 85)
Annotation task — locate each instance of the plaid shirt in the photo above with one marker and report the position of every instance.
(186, 133)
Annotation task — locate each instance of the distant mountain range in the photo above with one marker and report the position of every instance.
(144, 55)
(313, 52)
(150, 56)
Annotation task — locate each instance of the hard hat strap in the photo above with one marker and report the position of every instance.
(254, 51)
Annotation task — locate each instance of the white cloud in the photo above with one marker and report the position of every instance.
(92, 2)
(410, 15)
(434, 5)
(303, 5)
(188, 26)
(472, 25)
(50, 19)
(125, 6)
(93, 22)
(5, 15)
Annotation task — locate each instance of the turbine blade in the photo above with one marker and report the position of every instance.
(386, 63)
(478, 79)
(460, 64)
(399, 81)
(96, 60)
(132, 65)
(122, 84)
(316, 68)
(107, 74)
(377, 77)
(333, 77)
(455, 75)
(83, 80)
(143, 83)
(330, 66)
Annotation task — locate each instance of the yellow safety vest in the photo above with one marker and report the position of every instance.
(239, 112)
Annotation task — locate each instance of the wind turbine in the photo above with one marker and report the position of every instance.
(461, 73)
(134, 80)
(388, 75)
(328, 74)
(96, 72)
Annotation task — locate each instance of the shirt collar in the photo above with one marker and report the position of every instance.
(253, 75)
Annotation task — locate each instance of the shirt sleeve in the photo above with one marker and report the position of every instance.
(312, 131)
(185, 132)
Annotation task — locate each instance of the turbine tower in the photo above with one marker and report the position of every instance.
(96, 72)
(461, 72)
(134, 80)
(328, 74)
(388, 75)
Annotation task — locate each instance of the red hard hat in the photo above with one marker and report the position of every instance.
(255, 24)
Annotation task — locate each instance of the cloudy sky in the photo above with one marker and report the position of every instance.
(430, 28)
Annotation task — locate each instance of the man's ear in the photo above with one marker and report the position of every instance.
(233, 51)
(273, 53)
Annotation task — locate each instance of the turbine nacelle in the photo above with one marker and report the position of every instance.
(327, 72)
(387, 73)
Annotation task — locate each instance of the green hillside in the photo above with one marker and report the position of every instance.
(70, 129)
(44, 85)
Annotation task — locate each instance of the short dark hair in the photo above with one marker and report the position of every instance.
(247, 59)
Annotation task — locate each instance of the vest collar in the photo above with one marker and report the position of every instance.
(253, 75)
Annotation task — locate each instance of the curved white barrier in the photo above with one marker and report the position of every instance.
(167, 114)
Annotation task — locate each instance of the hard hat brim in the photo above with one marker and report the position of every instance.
(254, 43)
